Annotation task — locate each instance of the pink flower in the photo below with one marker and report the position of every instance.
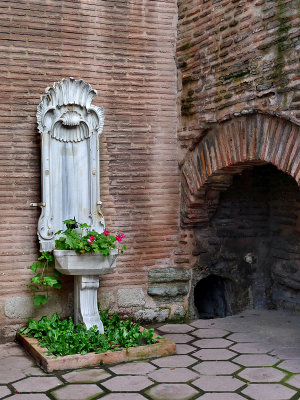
(105, 232)
(120, 237)
(91, 239)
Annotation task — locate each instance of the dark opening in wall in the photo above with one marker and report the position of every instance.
(211, 296)
(249, 251)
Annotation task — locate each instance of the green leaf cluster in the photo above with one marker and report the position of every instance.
(63, 337)
(80, 238)
(46, 276)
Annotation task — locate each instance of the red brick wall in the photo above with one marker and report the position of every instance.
(234, 57)
(125, 50)
(238, 71)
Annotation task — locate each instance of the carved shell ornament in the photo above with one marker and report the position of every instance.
(70, 127)
(70, 118)
(66, 112)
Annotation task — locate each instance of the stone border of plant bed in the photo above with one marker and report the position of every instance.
(50, 363)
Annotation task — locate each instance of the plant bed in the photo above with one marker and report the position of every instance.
(123, 341)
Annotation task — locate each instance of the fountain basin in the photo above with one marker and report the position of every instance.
(68, 262)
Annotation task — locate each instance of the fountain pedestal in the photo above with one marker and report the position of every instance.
(86, 269)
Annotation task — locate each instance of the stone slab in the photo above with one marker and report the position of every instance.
(184, 348)
(133, 368)
(123, 396)
(216, 368)
(175, 375)
(86, 376)
(4, 391)
(268, 374)
(221, 396)
(209, 383)
(171, 391)
(290, 365)
(49, 363)
(294, 381)
(127, 383)
(268, 391)
(176, 328)
(175, 361)
(29, 396)
(255, 360)
(214, 354)
(37, 384)
(77, 392)
(179, 337)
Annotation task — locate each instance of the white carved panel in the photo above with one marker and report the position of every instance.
(70, 127)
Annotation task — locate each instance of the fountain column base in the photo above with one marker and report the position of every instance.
(85, 301)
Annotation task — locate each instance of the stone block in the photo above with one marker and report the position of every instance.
(166, 275)
(171, 290)
(152, 315)
(179, 313)
(131, 297)
(106, 299)
(22, 307)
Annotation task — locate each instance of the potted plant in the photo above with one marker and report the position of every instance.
(84, 253)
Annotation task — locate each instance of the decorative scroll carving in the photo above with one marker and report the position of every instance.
(70, 126)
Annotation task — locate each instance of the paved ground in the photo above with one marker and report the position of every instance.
(254, 355)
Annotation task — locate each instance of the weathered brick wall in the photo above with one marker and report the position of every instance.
(238, 77)
(234, 57)
(125, 50)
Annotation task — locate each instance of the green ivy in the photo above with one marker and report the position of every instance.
(46, 276)
(63, 337)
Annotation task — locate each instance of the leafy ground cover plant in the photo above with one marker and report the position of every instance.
(78, 237)
(63, 337)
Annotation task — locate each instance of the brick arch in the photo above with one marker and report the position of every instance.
(228, 149)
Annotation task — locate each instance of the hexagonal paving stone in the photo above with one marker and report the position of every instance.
(219, 383)
(294, 381)
(174, 361)
(256, 360)
(37, 384)
(268, 391)
(173, 375)
(133, 368)
(212, 343)
(31, 396)
(221, 396)
(268, 374)
(11, 349)
(214, 354)
(127, 383)
(179, 337)
(287, 354)
(206, 323)
(184, 348)
(123, 396)
(290, 365)
(172, 391)
(14, 368)
(77, 392)
(216, 368)
(245, 337)
(4, 391)
(176, 328)
(34, 371)
(251, 348)
(210, 333)
(86, 375)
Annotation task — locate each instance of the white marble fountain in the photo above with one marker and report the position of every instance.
(70, 127)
